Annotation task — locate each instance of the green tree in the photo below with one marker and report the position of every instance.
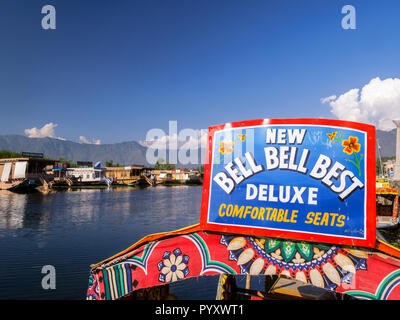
(161, 165)
(6, 154)
(109, 163)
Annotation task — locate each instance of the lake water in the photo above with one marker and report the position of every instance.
(72, 229)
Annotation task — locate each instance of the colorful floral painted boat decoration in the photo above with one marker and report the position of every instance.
(174, 256)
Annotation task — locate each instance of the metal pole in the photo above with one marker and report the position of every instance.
(380, 158)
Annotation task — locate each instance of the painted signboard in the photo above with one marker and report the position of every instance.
(303, 179)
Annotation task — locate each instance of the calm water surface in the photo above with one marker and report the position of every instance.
(73, 229)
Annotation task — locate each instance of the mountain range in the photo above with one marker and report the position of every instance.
(126, 153)
(123, 153)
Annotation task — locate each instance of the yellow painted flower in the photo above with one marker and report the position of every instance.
(260, 242)
(351, 145)
(331, 135)
(226, 147)
(242, 137)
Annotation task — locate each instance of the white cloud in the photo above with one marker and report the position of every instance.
(82, 139)
(47, 131)
(377, 103)
(328, 99)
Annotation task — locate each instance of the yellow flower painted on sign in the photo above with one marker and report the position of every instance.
(226, 147)
(242, 137)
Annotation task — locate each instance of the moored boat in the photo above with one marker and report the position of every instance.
(23, 174)
(125, 175)
(88, 175)
(387, 208)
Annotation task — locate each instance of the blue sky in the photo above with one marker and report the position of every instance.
(112, 70)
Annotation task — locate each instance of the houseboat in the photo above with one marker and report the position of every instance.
(178, 176)
(387, 204)
(88, 175)
(25, 173)
(127, 175)
(387, 208)
(57, 176)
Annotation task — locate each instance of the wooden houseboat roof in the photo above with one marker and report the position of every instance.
(26, 159)
(138, 167)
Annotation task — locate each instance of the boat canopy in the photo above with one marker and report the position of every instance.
(387, 191)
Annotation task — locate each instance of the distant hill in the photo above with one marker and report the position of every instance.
(126, 153)
(387, 142)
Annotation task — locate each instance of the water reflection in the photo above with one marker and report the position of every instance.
(71, 229)
(11, 207)
(22, 211)
(36, 210)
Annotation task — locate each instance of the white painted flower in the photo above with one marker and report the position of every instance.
(173, 268)
(298, 259)
(318, 253)
(277, 254)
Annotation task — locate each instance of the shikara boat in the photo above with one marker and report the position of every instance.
(298, 209)
(309, 270)
(387, 208)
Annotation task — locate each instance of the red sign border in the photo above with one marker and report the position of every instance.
(370, 184)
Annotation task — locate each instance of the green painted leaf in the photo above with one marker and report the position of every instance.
(305, 250)
(322, 247)
(288, 250)
(338, 138)
(271, 245)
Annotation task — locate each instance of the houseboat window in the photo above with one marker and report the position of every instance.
(20, 169)
(6, 172)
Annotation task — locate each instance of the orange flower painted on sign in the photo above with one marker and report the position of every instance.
(351, 145)
(226, 147)
(242, 137)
